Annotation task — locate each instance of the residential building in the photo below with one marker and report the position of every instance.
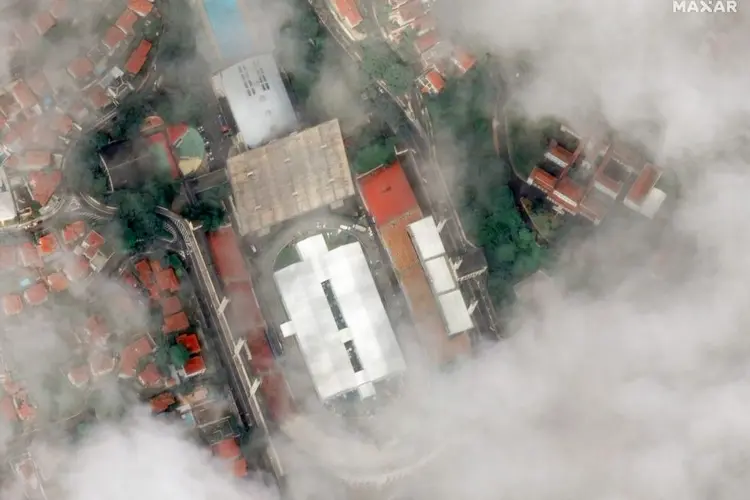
(431, 82)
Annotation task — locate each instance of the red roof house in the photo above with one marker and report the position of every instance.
(23, 95)
(113, 38)
(96, 329)
(73, 232)
(131, 354)
(101, 363)
(426, 41)
(44, 184)
(143, 269)
(29, 255)
(386, 193)
(43, 22)
(126, 21)
(140, 7)
(176, 323)
(167, 280)
(349, 11)
(97, 97)
(36, 294)
(47, 245)
(170, 305)
(12, 304)
(8, 257)
(79, 376)
(150, 376)
(80, 68)
(138, 57)
(57, 282)
(194, 366)
(161, 402)
(190, 342)
(227, 449)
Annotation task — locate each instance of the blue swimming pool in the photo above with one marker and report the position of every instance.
(229, 29)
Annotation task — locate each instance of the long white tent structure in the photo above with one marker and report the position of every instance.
(338, 317)
(426, 237)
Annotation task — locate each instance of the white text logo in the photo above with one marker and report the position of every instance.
(705, 6)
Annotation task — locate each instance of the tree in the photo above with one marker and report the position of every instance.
(178, 355)
(379, 152)
(379, 62)
(209, 213)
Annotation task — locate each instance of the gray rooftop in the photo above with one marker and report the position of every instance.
(289, 177)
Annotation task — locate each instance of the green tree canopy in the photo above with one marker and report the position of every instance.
(379, 62)
(178, 355)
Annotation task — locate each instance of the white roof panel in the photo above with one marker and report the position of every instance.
(426, 238)
(317, 333)
(653, 202)
(367, 324)
(440, 274)
(258, 98)
(362, 308)
(455, 313)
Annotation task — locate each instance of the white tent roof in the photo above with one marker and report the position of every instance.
(321, 342)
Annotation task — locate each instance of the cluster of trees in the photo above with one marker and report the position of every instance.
(462, 119)
(209, 210)
(528, 141)
(381, 63)
(373, 146)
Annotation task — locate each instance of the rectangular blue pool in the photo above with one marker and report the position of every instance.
(229, 29)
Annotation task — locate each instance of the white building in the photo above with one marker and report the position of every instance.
(258, 99)
(338, 318)
(441, 275)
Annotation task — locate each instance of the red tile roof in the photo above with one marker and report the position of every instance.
(397, 242)
(47, 244)
(37, 159)
(73, 232)
(437, 82)
(23, 95)
(167, 280)
(643, 184)
(463, 60)
(8, 257)
(349, 11)
(80, 67)
(36, 294)
(132, 353)
(101, 363)
(126, 21)
(194, 366)
(542, 180)
(140, 7)
(94, 239)
(410, 11)
(113, 37)
(98, 97)
(138, 57)
(571, 192)
(230, 265)
(227, 449)
(560, 153)
(77, 268)
(239, 468)
(62, 123)
(161, 402)
(44, 184)
(190, 342)
(176, 132)
(12, 304)
(79, 376)
(150, 376)
(176, 323)
(29, 255)
(57, 282)
(43, 22)
(170, 305)
(386, 193)
(23, 408)
(143, 269)
(27, 34)
(426, 41)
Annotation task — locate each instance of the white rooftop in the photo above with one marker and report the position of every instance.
(427, 238)
(258, 98)
(365, 329)
(440, 274)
